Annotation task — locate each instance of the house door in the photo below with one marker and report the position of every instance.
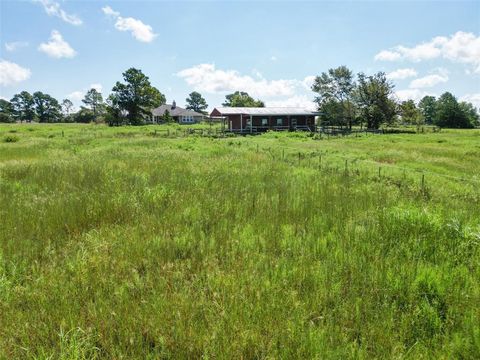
(293, 123)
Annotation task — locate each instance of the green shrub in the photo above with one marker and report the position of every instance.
(11, 139)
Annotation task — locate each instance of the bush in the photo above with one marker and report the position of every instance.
(6, 118)
(11, 139)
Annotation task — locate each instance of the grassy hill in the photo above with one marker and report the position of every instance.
(126, 243)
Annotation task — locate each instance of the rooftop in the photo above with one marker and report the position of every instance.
(174, 111)
(267, 111)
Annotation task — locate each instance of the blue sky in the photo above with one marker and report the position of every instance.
(270, 49)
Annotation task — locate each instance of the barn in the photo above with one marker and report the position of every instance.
(255, 119)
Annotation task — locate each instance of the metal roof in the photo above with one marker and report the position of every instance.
(267, 111)
(176, 111)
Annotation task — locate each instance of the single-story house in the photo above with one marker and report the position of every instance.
(256, 119)
(179, 115)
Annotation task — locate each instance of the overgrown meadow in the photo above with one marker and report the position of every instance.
(123, 243)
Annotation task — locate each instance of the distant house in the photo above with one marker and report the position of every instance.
(179, 115)
(246, 119)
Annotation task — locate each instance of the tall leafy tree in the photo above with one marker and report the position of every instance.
(196, 102)
(373, 97)
(242, 99)
(67, 107)
(410, 113)
(470, 112)
(6, 111)
(94, 100)
(166, 117)
(47, 108)
(23, 106)
(428, 108)
(137, 96)
(84, 115)
(115, 116)
(449, 113)
(334, 98)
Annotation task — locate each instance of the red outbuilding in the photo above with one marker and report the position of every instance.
(258, 119)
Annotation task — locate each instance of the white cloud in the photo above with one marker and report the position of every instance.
(11, 73)
(52, 8)
(472, 98)
(412, 94)
(15, 45)
(302, 101)
(400, 74)
(57, 47)
(460, 47)
(97, 87)
(273, 58)
(205, 77)
(386, 55)
(140, 31)
(308, 82)
(76, 96)
(107, 10)
(429, 80)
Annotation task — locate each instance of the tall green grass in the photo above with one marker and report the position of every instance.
(140, 246)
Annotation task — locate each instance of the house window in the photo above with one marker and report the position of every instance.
(264, 122)
(279, 121)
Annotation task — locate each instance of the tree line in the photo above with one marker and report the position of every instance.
(370, 101)
(130, 102)
(341, 98)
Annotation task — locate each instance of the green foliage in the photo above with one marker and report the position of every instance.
(410, 113)
(450, 114)
(471, 113)
(84, 116)
(136, 96)
(6, 112)
(47, 108)
(373, 98)
(94, 100)
(428, 107)
(23, 106)
(118, 244)
(115, 116)
(11, 139)
(335, 91)
(196, 102)
(67, 107)
(242, 99)
(166, 117)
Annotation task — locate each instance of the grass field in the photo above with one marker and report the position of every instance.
(120, 243)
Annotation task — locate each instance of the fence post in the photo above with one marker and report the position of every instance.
(423, 183)
(379, 171)
(346, 166)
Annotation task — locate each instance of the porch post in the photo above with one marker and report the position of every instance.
(241, 122)
(251, 124)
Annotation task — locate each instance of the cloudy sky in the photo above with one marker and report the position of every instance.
(270, 49)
